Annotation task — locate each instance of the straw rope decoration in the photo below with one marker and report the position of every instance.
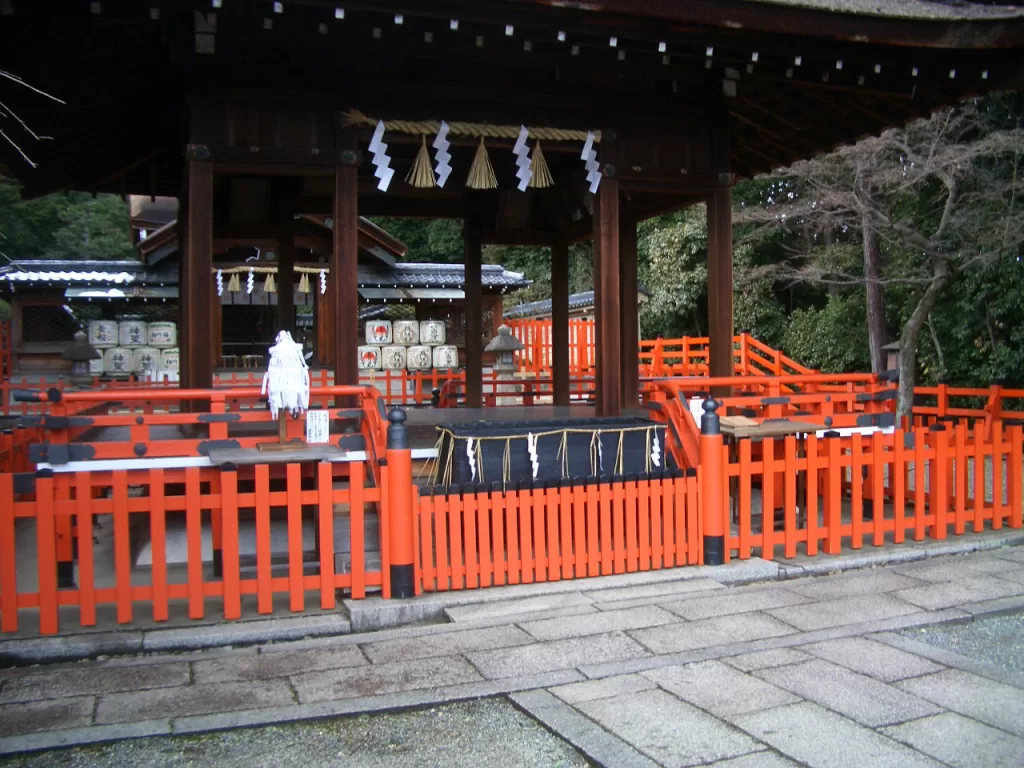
(445, 465)
(235, 282)
(474, 130)
(541, 173)
(421, 175)
(304, 283)
(269, 285)
(481, 172)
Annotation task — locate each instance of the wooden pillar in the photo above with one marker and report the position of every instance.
(197, 277)
(217, 331)
(719, 213)
(342, 280)
(560, 362)
(607, 312)
(324, 320)
(286, 278)
(630, 320)
(474, 315)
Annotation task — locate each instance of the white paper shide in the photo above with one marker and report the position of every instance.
(286, 382)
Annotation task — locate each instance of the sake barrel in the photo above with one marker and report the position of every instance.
(369, 358)
(162, 335)
(406, 332)
(103, 334)
(446, 357)
(393, 358)
(145, 359)
(96, 366)
(378, 332)
(419, 358)
(132, 333)
(170, 359)
(117, 361)
(432, 332)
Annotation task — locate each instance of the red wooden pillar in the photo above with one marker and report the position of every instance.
(343, 280)
(720, 317)
(197, 277)
(606, 297)
(560, 361)
(474, 315)
(630, 320)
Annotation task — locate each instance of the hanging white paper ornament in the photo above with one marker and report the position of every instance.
(250, 282)
(470, 443)
(220, 283)
(380, 159)
(441, 156)
(589, 157)
(656, 452)
(286, 382)
(522, 153)
(531, 447)
(323, 281)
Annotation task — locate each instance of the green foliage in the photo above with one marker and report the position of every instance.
(437, 241)
(830, 338)
(73, 226)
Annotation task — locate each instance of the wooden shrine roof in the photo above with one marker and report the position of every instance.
(783, 79)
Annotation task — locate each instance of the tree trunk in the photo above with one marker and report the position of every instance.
(873, 288)
(941, 277)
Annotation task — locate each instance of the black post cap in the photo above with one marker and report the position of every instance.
(398, 436)
(709, 422)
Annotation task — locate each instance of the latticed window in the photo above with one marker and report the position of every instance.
(47, 323)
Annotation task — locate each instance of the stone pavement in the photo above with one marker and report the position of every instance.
(808, 671)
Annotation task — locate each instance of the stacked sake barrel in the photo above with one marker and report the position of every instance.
(406, 345)
(131, 345)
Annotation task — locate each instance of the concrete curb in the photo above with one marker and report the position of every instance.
(374, 614)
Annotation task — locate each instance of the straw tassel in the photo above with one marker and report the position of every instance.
(481, 172)
(304, 283)
(235, 283)
(421, 175)
(541, 173)
(269, 285)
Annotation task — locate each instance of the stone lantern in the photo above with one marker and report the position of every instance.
(504, 346)
(80, 353)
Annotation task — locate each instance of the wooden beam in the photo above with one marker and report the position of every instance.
(630, 319)
(560, 360)
(474, 314)
(197, 281)
(607, 311)
(720, 311)
(342, 278)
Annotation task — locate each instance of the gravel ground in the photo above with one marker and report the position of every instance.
(998, 640)
(464, 735)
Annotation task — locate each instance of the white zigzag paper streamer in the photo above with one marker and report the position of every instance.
(380, 159)
(589, 157)
(323, 281)
(531, 446)
(600, 456)
(249, 282)
(656, 452)
(442, 169)
(220, 283)
(472, 459)
(522, 153)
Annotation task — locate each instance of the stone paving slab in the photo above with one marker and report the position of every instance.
(960, 742)
(856, 696)
(376, 679)
(748, 662)
(756, 760)
(605, 688)
(73, 737)
(49, 715)
(265, 666)
(668, 730)
(653, 591)
(509, 608)
(847, 610)
(947, 594)
(720, 689)
(740, 601)
(958, 567)
(819, 738)
(1015, 554)
(192, 700)
(557, 654)
(998, 705)
(877, 660)
(82, 681)
(502, 636)
(599, 623)
(853, 583)
(707, 632)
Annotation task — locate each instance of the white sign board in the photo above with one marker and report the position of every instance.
(318, 427)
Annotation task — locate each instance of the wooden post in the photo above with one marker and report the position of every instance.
(324, 321)
(630, 319)
(606, 297)
(216, 331)
(401, 516)
(474, 315)
(560, 362)
(286, 277)
(720, 336)
(343, 278)
(197, 277)
(715, 507)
